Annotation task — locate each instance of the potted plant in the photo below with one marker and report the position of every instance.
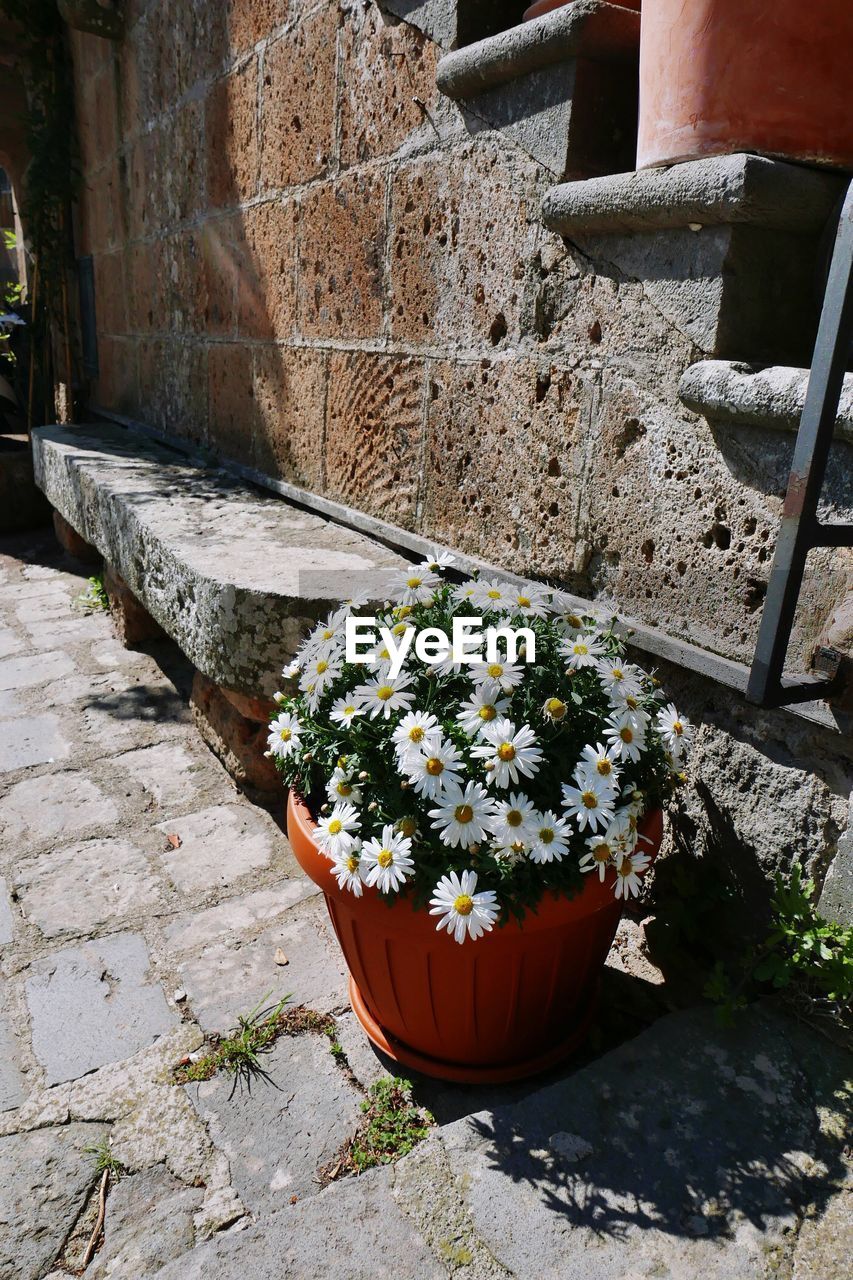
(476, 818)
(545, 6)
(720, 76)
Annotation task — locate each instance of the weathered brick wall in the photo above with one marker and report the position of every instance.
(306, 259)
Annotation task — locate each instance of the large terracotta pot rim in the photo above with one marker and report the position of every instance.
(552, 909)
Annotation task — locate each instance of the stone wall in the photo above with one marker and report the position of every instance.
(310, 261)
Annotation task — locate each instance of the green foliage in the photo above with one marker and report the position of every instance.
(95, 596)
(391, 1127)
(804, 955)
(105, 1160)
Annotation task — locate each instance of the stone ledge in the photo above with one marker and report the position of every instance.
(234, 577)
(732, 393)
(585, 29)
(725, 190)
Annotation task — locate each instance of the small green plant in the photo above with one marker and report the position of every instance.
(95, 596)
(391, 1127)
(804, 955)
(105, 1161)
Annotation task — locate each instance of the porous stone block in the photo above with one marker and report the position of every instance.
(69, 539)
(290, 399)
(133, 623)
(252, 20)
(341, 257)
(93, 1004)
(238, 740)
(205, 288)
(255, 569)
(374, 434)
(298, 101)
(265, 258)
(231, 404)
(231, 137)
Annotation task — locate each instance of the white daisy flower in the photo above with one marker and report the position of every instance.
(506, 674)
(437, 560)
(629, 868)
(508, 752)
(513, 821)
(417, 586)
(601, 760)
(582, 651)
(415, 731)
(554, 709)
(382, 695)
(529, 601)
(323, 640)
(620, 680)
(604, 849)
(346, 868)
(335, 833)
(291, 671)
(319, 673)
(463, 911)
(676, 731)
(341, 787)
(434, 768)
(550, 839)
(344, 711)
(590, 803)
(387, 863)
(284, 735)
(464, 593)
(509, 855)
(626, 734)
(491, 594)
(483, 707)
(462, 817)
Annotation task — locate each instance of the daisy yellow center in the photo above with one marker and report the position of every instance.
(344, 789)
(495, 669)
(463, 905)
(546, 835)
(384, 693)
(601, 852)
(327, 635)
(348, 711)
(286, 735)
(524, 602)
(463, 813)
(407, 826)
(581, 649)
(677, 727)
(589, 800)
(626, 734)
(604, 767)
(493, 595)
(399, 629)
(322, 668)
(335, 827)
(626, 866)
(617, 673)
(573, 620)
(351, 863)
(385, 857)
(514, 818)
(413, 582)
(434, 766)
(416, 734)
(487, 713)
(555, 708)
(506, 752)
(631, 702)
(404, 611)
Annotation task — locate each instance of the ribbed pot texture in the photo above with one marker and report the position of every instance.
(769, 76)
(510, 996)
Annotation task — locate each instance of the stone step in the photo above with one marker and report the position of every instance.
(771, 398)
(729, 249)
(234, 576)
(562, 87)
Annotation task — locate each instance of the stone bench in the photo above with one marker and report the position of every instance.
(234, 576)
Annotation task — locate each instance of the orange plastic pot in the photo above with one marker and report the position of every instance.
(514, 1002)
(769, 76)
(545, 6)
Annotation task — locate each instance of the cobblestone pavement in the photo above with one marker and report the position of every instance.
(142, 903)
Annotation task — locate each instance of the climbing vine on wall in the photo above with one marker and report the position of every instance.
(50, 183)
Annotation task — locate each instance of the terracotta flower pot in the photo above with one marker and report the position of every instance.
(545, 6)
(512, 1003)
(771, 76)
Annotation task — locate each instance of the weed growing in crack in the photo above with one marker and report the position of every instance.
(391, 1127)
(94, 598)
(105, 1161)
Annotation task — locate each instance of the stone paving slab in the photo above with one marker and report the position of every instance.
(37, 739)
(37, 810)
(150, 1222)
(218, 846)
(94, 1004)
